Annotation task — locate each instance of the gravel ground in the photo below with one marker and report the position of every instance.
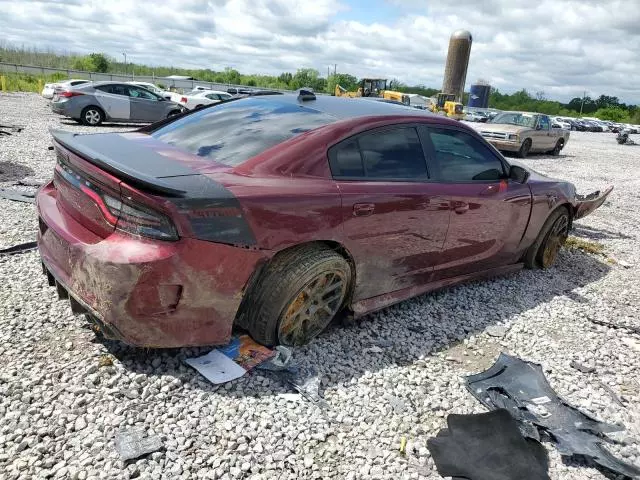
(61, 402)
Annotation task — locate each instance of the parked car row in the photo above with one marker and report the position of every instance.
(592, 125)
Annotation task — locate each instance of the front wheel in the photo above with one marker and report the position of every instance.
(299, 294)
(524, 148)
(553, 235)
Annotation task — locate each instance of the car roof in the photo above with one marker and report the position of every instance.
(203, 92)
(344, 108)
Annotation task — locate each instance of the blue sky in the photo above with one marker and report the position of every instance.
(559, 47)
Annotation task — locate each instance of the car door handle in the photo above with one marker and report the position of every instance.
(363, 209)
(460, 207)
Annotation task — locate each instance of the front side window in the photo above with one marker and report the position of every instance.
(543, 122)
(213, 96)
(388, 154)
(135, 92)
(460, 157)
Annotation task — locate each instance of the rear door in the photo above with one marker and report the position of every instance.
(395, 218)
(114, 100)
(145, 105)
(489, 212)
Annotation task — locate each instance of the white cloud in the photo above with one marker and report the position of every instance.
(559, 47)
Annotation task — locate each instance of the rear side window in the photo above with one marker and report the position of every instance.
(460, 157)
(233, 132)
(389, 154)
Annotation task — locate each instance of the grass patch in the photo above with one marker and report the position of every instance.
(25, 82)
(588, 246)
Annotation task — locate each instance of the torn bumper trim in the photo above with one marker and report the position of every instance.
(585, 205)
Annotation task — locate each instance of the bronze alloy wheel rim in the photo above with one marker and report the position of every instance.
(555, 240)
(312, 308)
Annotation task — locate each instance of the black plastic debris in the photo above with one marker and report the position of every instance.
(134, 443)
(487, 446)
(17, 196)
(19, 248)
(9, 129)
(28, 183)
(521, 388)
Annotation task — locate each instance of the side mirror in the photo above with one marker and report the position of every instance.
(518, 174)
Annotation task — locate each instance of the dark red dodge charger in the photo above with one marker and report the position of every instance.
(274, 213)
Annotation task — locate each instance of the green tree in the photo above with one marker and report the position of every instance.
(614, 114)
(346, 81)
(285, 78)
(99, 62)
(307, 77)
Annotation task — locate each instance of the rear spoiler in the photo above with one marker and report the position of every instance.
(72, 142)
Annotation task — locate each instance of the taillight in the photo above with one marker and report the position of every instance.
(127, 217)
(68, 94)
(183, 100)
(140, 220)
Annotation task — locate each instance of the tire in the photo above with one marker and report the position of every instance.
(544, 251)
(92, 116)
(559, 146)
(287, 307)
(524, 148)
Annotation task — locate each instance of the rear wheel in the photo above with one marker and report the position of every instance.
(524, 148)
(544, 252)
(299, 294)
(92, 116)
(559, 145)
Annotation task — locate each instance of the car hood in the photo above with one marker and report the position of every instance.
(502, 127)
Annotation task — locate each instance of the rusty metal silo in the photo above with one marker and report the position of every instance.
(455, 71)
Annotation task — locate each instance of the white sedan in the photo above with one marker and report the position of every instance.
(50, 88)
(200, 99)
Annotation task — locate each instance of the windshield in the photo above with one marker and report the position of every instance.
(233, 132)
(520, 119)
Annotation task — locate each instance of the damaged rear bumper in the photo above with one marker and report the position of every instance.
(585, 205)
(144, 292)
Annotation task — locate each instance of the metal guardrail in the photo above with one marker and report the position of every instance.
(178, 84)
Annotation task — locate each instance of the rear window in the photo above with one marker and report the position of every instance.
(233, 132)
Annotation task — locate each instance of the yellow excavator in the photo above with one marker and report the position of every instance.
(373, 87)
(445, 104)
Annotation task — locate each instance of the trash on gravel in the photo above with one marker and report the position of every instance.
(280, 361)
(487, 446)
(246, 352)
(617, 326)
(135, 442)
(19, 248)
(10, 129)
(231, 361)
(307, 382)
(581, 368)
(522, 389)
(17, 196)
(28, 183)
(216, 367)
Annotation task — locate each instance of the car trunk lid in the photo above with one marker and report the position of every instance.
(94, 173)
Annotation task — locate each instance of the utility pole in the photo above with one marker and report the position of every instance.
(335, 68)
(328, 69)
(584, 94)
(125, 62)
